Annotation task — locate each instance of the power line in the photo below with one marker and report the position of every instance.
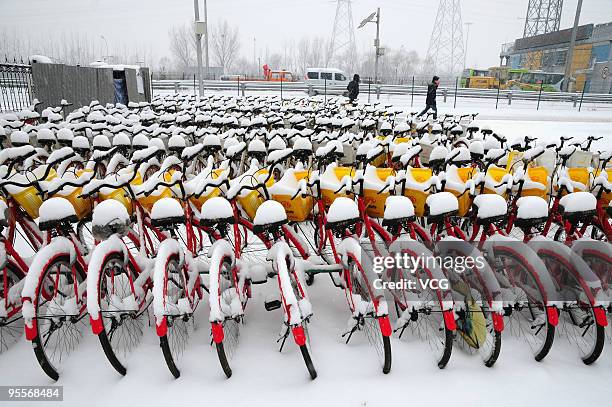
(446, 53)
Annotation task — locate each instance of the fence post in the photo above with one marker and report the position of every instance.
(582, 96)
(497, 99)
(194, 84)
(540, 94)
(310, 91)
(238, 86)
(377, 92)
(575, 100)
(444, 92)
(243, 88)
(281, 81)
(325, 91)
(369, 88)
(412, 93)
(176, 87)
(509, 98)
(456, 88)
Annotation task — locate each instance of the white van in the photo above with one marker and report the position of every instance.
(322, 76)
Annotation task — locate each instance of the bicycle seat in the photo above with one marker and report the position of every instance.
(398, 210)
(441, 205)
(110, 217)
(578, 206)
(167, 213)
(490, 208)
(216, 210)
(532, 211)
(269, 216)
(342, 213)
(55, 212)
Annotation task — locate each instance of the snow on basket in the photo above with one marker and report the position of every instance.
(442, 203)
(342, 209)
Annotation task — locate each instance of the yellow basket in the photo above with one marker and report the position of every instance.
(251, 202)
(82, 206)
(418, 197)
(606, 197)
(375, 202)
(29, 199)
(513, 157)
(399, 140)
(581, 175)
(496, 174)
(299, 208)
(329, 195)
(147, 202)
(198, 202)
(539, 175)
(465, 200)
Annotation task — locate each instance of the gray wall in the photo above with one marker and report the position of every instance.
(80, 85)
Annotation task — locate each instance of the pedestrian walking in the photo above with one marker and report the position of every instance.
(353, 89)
(430, 103)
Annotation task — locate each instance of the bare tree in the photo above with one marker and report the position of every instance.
(225, 43)
(182, 46)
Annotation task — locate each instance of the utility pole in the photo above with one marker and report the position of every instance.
(377, 44)
(570, 52)
(467, 39)
(206, 38)
(196, 9)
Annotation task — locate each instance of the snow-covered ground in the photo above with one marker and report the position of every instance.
(349, 375)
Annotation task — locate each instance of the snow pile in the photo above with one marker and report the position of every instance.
(342, 209)
(442, 203)
(167, 208)
(490, 206)
(531, 207)
(270, 212)
(578, 202)
(55, 209)
(398, 207)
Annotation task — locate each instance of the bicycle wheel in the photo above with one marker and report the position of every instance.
(122, 317)
(179, 321)
(531, 317)
(11, 327)
(59, 321)
(228, 295)
(578, 321)
(361, 291)
(475, 326)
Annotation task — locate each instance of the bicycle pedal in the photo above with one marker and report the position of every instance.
(272, 304)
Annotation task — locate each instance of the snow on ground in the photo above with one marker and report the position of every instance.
(349, 375)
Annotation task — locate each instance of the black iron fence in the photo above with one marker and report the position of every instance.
(16, 86)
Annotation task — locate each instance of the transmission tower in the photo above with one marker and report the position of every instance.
(446, 51)
(543, 16)
(342, 49)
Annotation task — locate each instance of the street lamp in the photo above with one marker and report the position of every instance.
(106, 42)
(379, 51)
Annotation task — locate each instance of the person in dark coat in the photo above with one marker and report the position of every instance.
(430, 103)
(353, 88)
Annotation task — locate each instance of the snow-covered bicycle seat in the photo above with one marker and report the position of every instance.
(398, 209)
(217, 210)
(342, 213)
(270, 215)
(54, 212)
(441, 205)
(531, 211)
(490, 208)
(167, 213)
(578, 206)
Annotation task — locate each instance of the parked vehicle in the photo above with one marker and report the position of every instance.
(326, 77)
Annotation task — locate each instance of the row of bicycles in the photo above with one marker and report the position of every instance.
(114, 218)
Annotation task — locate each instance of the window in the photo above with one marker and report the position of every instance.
(275, 75)
(340, 77)
(326, 75)
(313, 75)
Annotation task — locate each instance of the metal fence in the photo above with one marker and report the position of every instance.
(16, 86)
(373, 91)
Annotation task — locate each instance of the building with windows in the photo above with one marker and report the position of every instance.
(591, 65)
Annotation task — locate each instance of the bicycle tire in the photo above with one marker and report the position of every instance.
(308, 361)
(223, 360)
(37, 343)
(10, 330)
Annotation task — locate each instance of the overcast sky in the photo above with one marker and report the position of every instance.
(274, 23)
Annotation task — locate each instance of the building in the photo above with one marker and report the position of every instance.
(591, 65)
